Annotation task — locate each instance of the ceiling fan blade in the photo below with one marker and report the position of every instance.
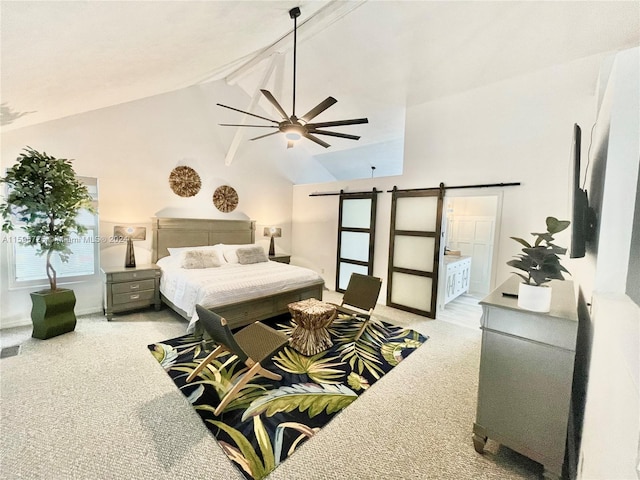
(290, 143)
(318, 109)
(247, 113)
(275, 103)
(317, 140)
(334, 134)
(262, 136)
(244, 125)
(338, 123)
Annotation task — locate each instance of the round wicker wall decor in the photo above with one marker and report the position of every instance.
(184, 181)
(225, 198)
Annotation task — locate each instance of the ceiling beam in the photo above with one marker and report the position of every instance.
(322, 19)
(237, 137)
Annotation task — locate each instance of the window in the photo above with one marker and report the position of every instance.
(29, 269)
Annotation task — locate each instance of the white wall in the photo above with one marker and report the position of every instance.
(518, 130)
(471, 206)
(611, 436)
(131, 149)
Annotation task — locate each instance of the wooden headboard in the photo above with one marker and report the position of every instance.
(192, 232)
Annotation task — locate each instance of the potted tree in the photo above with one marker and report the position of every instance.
(541, 264)
(44, 198)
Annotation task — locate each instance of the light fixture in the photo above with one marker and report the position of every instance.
(129, 233)
(293, 132)
(272, 232)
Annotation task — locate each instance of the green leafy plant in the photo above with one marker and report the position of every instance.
(44, 197)
(540, 260)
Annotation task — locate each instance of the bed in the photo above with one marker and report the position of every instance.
(242, 294)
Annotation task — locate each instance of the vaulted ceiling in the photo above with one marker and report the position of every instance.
(60, 58)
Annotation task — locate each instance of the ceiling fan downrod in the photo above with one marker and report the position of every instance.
(294, 13)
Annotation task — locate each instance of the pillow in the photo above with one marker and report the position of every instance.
(169, 262)
(176, 251)
(199, 259)
(253, 254)
(230, 251)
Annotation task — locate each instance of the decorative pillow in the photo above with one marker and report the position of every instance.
(179, 250)
(253, 254)
(199, 259)
(230, 251)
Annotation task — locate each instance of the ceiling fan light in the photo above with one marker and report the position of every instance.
(293, 131)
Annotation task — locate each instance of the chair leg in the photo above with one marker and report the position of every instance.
(270, 375)
(205, 362)
(361, 331)
(236, 388)
(366, 318)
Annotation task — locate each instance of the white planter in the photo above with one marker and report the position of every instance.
(534, 298)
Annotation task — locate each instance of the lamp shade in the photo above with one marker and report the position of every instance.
(134, 233)
(272, 232)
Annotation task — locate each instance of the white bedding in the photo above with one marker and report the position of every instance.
(229, 283)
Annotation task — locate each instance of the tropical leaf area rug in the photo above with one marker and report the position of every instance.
(269, 419)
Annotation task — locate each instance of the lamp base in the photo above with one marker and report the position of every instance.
(272, 248)
(130, 257)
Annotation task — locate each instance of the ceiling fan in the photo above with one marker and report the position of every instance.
(292, 126)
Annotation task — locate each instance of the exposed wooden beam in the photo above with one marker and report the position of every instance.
(237, 137)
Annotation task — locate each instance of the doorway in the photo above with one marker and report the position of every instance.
(470, 228)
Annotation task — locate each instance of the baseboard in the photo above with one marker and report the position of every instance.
(20, 321)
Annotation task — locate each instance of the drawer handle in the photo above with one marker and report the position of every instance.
(134, 297)
(135, 286)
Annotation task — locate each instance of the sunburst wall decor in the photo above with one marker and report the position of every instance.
(184, 181)
(225, 198)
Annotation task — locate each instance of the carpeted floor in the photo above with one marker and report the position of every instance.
(93, 404)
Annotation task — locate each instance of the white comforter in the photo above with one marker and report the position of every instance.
(229, 283)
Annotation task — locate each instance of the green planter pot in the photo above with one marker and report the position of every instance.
(52, 313)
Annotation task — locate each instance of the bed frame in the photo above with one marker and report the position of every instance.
(188, 232)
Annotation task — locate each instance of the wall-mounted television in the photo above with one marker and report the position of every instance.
(583, 218)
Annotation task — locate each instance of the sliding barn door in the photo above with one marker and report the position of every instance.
(356, 236)
(414, 250)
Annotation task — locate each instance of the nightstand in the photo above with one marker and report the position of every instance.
(127, 289)
(280, 258)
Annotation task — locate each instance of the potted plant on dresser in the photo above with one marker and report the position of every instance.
(43, 199)
(541, 264)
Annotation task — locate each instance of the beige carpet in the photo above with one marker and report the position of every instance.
(94, 404)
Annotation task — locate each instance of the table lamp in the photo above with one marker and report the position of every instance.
(130, 233)
(272, 232)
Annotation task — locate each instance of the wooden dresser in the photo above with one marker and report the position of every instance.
(128, 289)
(526, 373)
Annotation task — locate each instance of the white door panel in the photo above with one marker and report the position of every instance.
(473, 236)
